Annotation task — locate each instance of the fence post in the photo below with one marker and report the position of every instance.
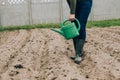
(30, 12)
(92, 13)
(0, 21)
(61, 10)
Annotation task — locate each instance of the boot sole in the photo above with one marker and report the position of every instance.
(77, 62)
(73, 58)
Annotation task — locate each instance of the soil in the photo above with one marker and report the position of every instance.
(41, 54)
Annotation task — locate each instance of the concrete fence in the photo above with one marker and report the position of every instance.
(27, 12)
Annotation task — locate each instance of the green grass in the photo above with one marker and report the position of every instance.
(104, 23)
(28, 27)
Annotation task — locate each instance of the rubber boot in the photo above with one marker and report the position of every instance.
(79, 51)
(76, 43)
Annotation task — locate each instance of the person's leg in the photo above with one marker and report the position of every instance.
(74, 44)
(83, 9)
(75, 40)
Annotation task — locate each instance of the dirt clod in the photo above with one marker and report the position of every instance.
(18, 66)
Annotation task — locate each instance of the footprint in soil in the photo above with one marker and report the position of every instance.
(13, 73)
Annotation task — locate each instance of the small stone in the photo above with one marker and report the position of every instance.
(74, 79)
(54, 78)
(87, 76)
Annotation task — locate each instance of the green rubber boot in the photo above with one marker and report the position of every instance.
(75, 41)
(79, 51)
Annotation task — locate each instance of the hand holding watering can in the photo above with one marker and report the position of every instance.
(70, 30)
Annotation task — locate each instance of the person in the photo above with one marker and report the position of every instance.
(79, 9)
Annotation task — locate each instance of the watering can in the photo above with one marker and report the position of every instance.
(69, 30)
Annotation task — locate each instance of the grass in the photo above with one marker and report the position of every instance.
(28, 27)
(104, 23)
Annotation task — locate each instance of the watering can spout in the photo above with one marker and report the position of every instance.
(58, 31)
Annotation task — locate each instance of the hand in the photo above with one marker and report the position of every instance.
(71, 17)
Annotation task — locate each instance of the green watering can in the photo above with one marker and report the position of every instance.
(69, 31)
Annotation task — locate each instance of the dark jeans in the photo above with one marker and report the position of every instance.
(82, 12)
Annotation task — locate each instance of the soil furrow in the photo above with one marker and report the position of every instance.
(41, 54)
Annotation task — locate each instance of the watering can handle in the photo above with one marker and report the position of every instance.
(69, 20)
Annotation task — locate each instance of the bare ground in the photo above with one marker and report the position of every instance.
(41, 54)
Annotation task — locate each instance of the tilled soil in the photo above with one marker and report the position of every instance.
(41, 54)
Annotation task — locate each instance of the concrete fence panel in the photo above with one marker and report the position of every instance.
(45, 11)
(106, 9)
(27, 12)
(14, 12)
